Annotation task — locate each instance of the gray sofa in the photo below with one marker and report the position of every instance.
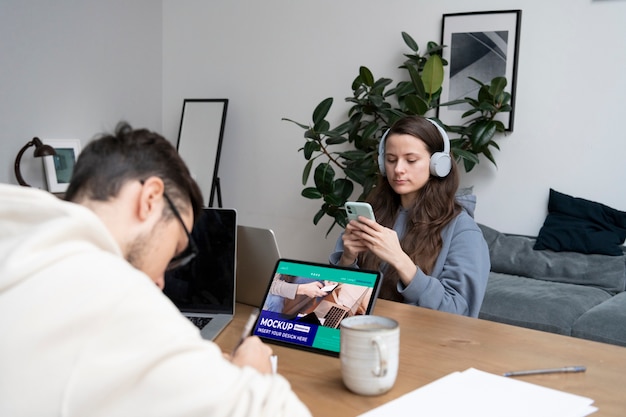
(568, 293)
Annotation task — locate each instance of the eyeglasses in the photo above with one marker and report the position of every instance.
(191, 251)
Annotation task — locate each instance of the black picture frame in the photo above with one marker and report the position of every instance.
(482, 45)
(200, 140)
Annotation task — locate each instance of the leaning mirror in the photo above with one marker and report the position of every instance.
(200, 143)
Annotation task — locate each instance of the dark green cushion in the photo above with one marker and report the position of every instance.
(579, 225)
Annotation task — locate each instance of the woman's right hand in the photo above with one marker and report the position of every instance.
(311, 290)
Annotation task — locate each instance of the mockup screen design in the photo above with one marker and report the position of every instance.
(306, 302)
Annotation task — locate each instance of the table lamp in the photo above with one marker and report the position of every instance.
(40, 150)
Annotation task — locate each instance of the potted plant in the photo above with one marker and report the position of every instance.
(346, 154)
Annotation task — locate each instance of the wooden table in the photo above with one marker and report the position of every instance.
(434, 344)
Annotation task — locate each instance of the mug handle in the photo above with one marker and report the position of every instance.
(381, 348)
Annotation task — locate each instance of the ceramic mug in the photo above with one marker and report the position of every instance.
(369, 350)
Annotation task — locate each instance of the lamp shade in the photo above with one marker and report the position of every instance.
(41, 149)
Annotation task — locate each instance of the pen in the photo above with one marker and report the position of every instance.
(248, 327)
(565, 369)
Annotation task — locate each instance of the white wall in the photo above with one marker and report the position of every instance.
(279, 58)
(72, 69)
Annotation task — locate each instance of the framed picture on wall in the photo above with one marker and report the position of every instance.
(59, 168)
(481, 45)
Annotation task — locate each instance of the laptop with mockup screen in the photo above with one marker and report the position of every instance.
(313, 323)
(204, 289)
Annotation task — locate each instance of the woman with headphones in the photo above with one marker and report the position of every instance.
(424, 240)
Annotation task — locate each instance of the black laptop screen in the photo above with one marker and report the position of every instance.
(207, 283)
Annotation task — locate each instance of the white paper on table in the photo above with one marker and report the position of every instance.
(477, 393)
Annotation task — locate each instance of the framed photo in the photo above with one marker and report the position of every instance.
(200, 142)
(482, 45)
(59, 167)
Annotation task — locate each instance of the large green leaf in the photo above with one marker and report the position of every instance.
(370, 130)
(306, 172)
(408, 40)
(418, 84)
(323, 178)
(341, 129)
(322, 126)
(312, 193)
(497, 86)
(318, 216)
(381, 83)
(310, 147)
(353, 154)
(416, 105)
(321, 110)
(343, 189)
(333, 199)
(432, 74)
(402, 89)
(366, 76)
(483, 133)
(336, 141)
(489, 156)
(463, 154)
(311, 134)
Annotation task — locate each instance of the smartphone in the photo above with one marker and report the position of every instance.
(354, 209)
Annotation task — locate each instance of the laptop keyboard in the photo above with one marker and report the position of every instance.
(334, 316)
(200, 322)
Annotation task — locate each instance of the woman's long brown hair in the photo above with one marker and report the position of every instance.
(434, 207)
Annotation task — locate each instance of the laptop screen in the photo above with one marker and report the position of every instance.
(207, 283)
(312, 322)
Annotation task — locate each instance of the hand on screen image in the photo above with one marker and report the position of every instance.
(312, 289)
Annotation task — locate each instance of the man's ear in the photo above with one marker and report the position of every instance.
(151, 198)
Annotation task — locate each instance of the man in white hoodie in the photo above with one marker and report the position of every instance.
(84, 329)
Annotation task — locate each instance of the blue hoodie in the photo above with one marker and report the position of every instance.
(459, 277)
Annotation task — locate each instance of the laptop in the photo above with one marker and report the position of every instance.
(313, 323)
(257, 253)
(204, 289)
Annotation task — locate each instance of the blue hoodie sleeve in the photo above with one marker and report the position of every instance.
(459, 278)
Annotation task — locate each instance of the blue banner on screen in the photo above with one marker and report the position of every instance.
(306, 302)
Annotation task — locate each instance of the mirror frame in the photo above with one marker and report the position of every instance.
(200, 140)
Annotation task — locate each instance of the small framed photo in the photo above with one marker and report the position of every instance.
(59, 167)
(481, 45)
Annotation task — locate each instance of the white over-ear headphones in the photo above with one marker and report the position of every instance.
(440, 162)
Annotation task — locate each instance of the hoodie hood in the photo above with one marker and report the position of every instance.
(38, 229)
(467, 200)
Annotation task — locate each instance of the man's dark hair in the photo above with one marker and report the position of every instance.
(111, 160)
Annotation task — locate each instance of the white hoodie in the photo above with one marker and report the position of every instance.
(83, 333)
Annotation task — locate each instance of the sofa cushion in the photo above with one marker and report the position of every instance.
(604, 322)
(537, 304)
(579, 225)
(514, 254)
